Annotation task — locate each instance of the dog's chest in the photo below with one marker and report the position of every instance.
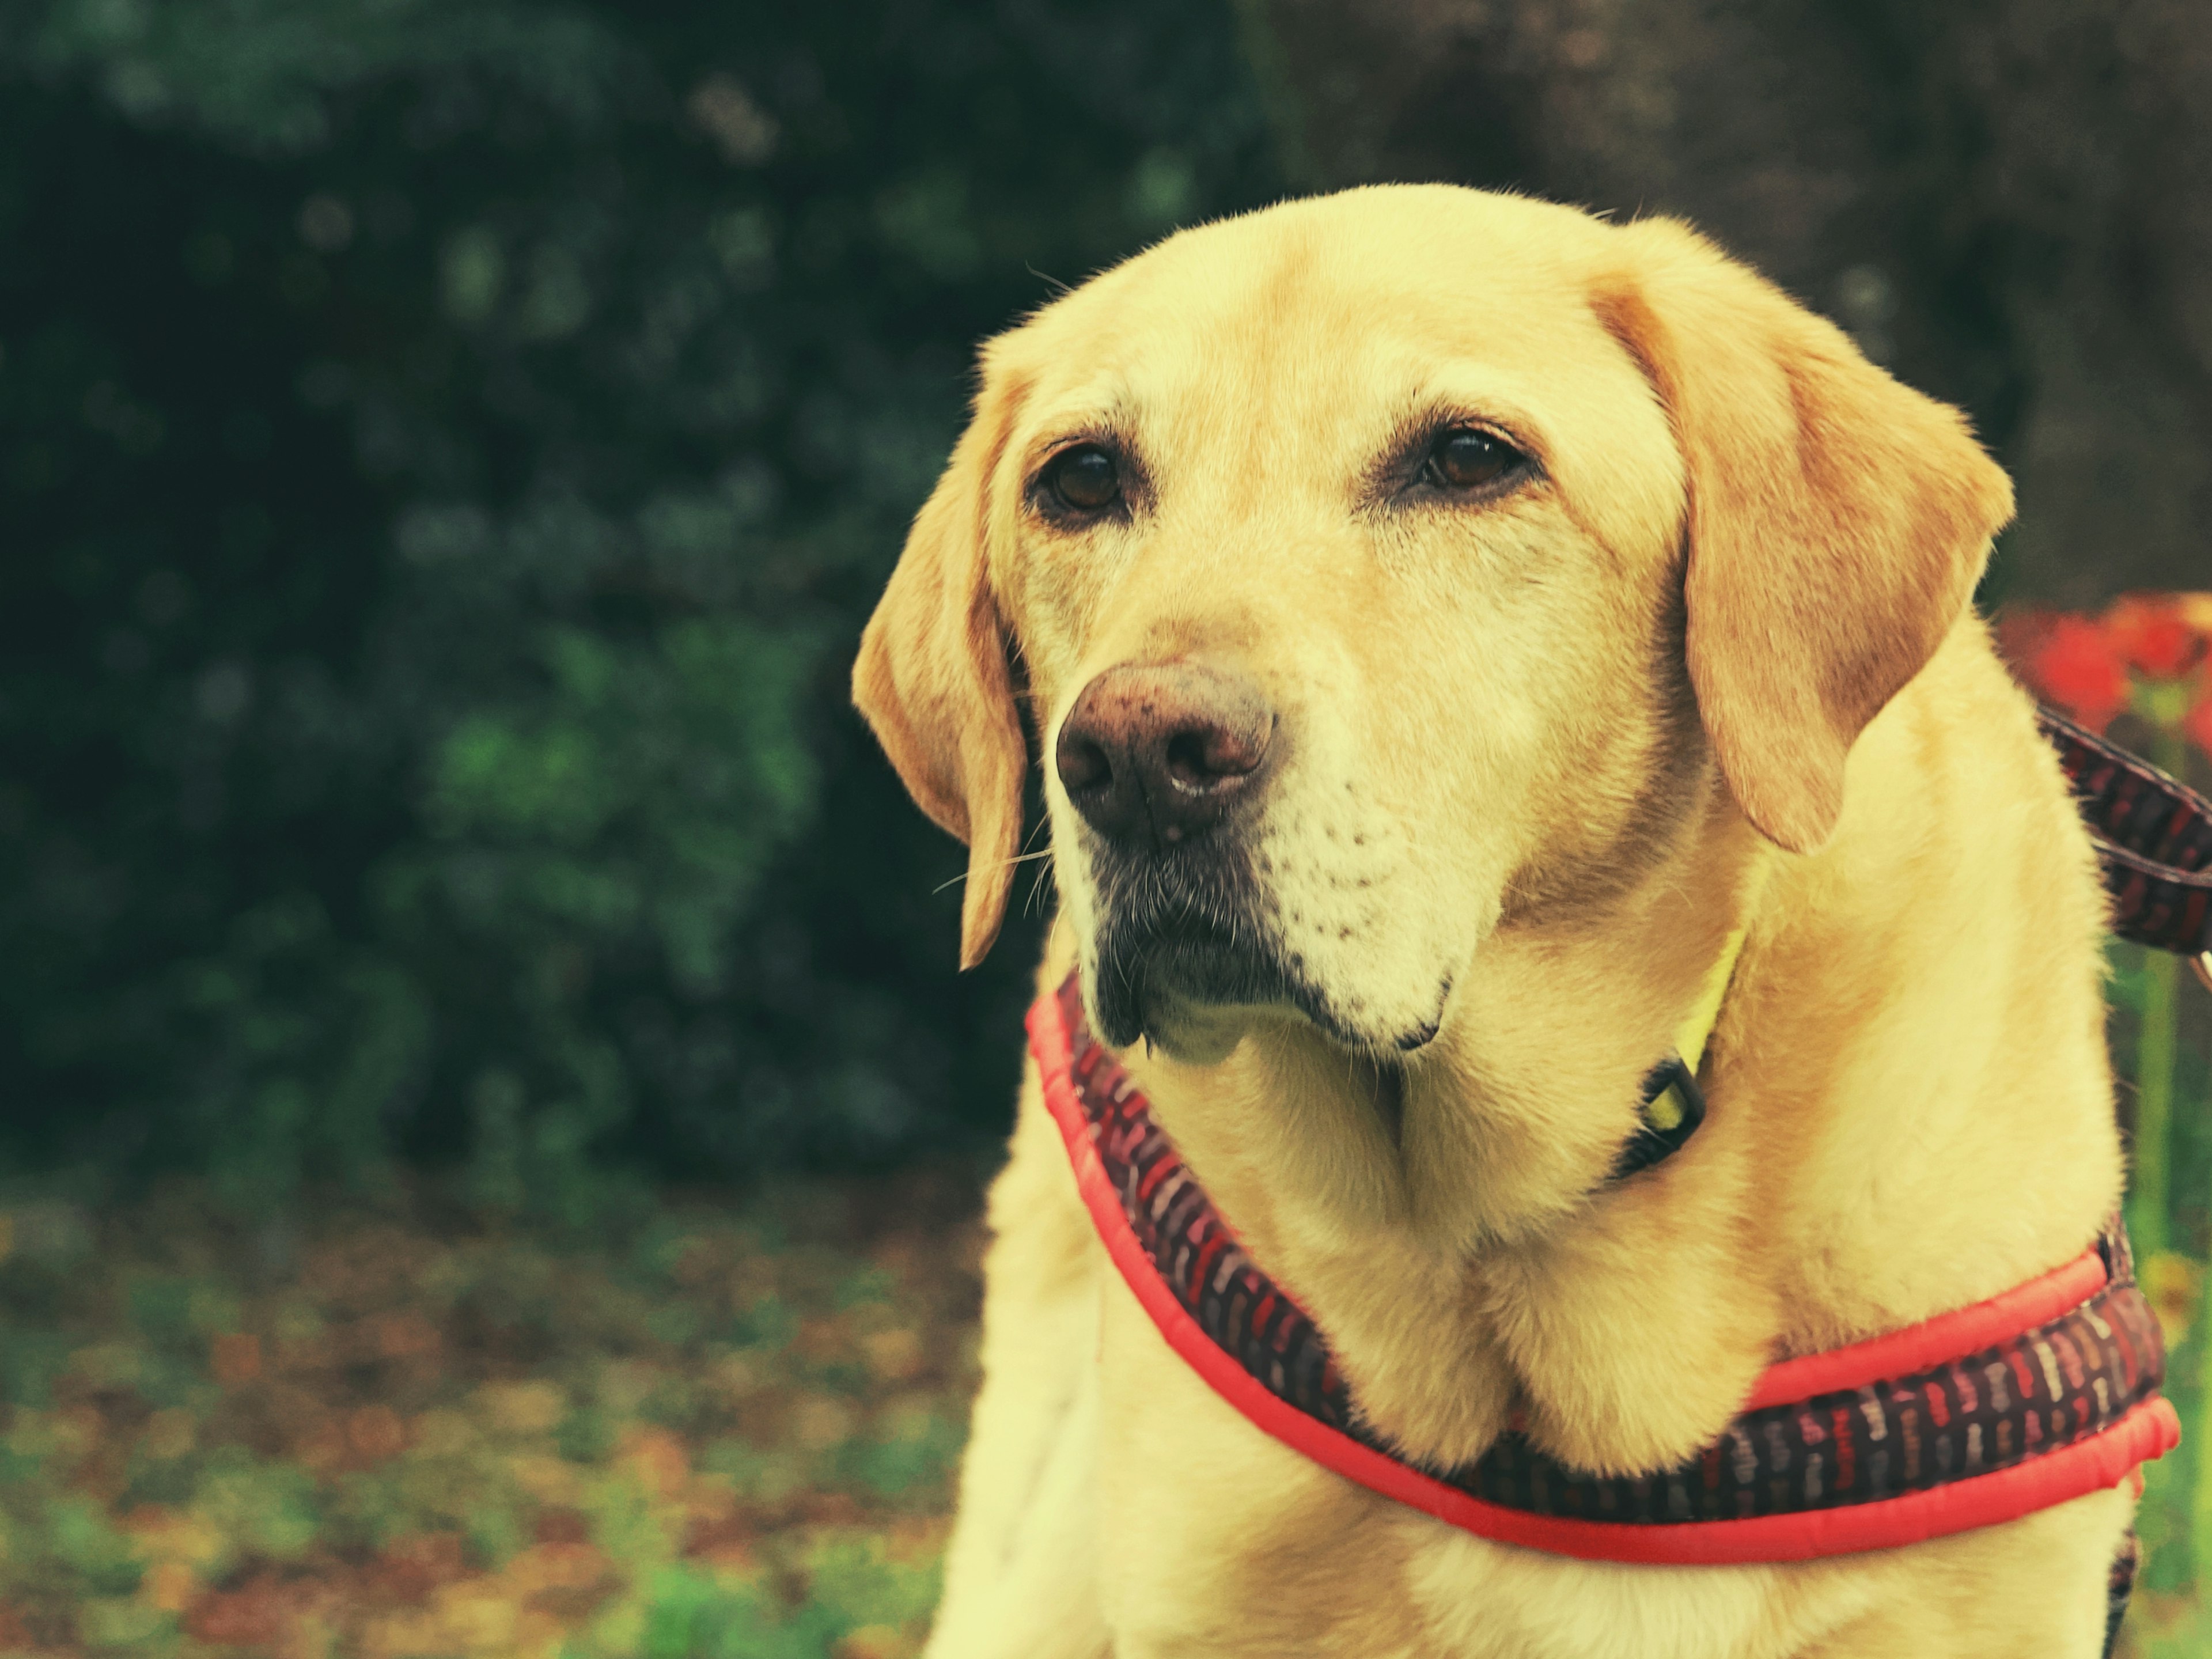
(1217, 1540)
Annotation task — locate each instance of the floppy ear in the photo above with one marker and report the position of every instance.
(1837, 521)
(932, 678)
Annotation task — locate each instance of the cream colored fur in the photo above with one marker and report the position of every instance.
(1540, 741)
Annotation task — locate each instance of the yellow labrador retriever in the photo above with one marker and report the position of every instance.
(1445, 617)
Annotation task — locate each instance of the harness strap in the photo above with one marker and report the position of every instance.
(2040, 1395)
(2154, 838)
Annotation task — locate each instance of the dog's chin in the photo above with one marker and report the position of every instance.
(1197, 1033)
(1196, 1000)
(1183, 989)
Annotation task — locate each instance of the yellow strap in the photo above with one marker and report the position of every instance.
(1665, 1112)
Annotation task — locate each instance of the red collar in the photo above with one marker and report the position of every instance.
(2035, 1396)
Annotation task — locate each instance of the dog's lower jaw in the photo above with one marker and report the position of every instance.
(1142, 997)
(1193, 1033)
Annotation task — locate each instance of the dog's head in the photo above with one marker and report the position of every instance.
(1387, 567)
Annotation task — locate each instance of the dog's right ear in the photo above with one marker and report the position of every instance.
(932, 677)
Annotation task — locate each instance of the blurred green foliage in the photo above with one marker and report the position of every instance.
(2173, 1617)
(448, 450)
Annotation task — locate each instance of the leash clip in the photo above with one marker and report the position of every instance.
(1673, 1107)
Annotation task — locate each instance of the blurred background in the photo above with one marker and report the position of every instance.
(492, 1130)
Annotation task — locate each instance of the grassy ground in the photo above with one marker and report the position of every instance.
(394, 1430)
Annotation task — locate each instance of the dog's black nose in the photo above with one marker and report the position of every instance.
(1156, 753)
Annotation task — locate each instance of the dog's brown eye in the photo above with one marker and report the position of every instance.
(1466, 457)
(1086, 478)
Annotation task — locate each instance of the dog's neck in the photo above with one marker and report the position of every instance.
(1453, 1230)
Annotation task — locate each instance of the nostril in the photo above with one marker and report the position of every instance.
(1083, 763)
(1186, 760)
(1206, 756)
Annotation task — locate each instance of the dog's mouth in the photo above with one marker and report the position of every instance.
(1157, 974)
(1187, 950)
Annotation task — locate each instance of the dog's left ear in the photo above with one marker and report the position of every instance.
(1837, 521)
(932, 677)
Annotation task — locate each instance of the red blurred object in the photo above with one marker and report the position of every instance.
(2151, 634)
(2197, 725)
(2075, 665)
(2090, 666)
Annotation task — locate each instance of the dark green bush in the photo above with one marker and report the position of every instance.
(448, 448)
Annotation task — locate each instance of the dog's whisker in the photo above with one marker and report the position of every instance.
(1018, 858)
(1037, 889)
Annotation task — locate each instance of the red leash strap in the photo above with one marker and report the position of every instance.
(2040, 1395)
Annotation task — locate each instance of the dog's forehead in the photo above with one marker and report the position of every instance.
(1297, 345)
(1354, 307)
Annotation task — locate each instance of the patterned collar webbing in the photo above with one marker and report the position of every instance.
(2018, 1416)
(2154, 837)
